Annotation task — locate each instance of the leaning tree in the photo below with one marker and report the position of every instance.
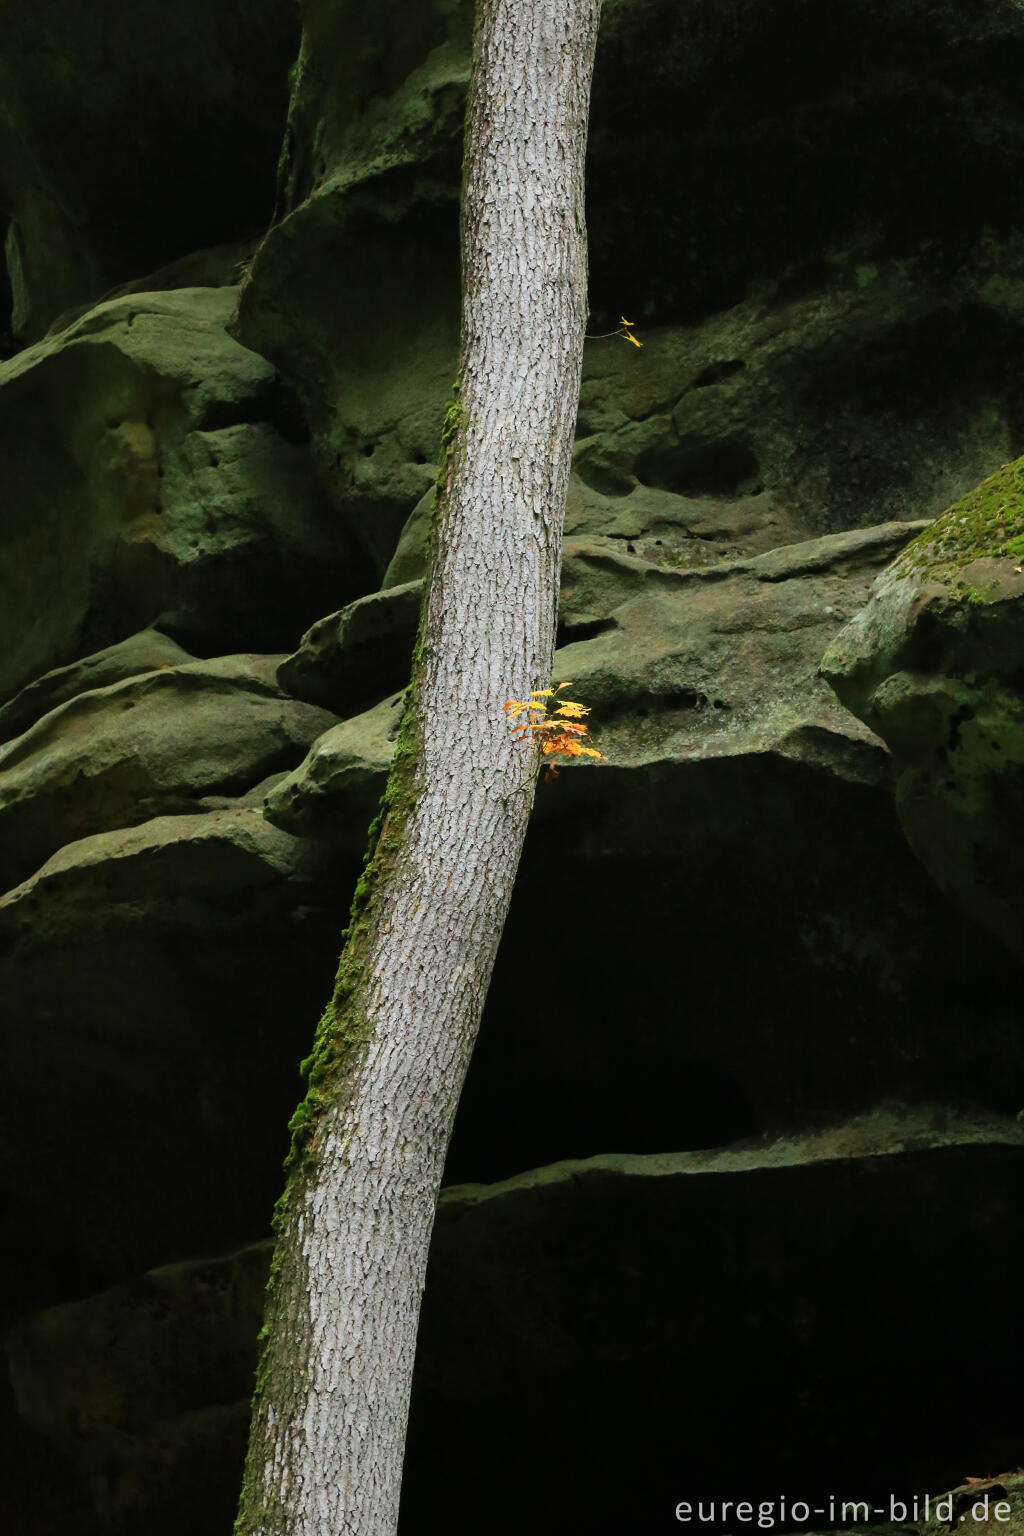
(391, 1051)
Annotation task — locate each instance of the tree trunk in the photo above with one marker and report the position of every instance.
(391, 1051)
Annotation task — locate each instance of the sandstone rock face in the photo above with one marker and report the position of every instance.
(811, 372)
(934, 664)
(146, 746)
(711, 662)
(147, 651)
(173, 491)
(357, 654)
(333, 793)
(737, 1167)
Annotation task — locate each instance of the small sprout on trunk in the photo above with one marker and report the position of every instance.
(560, 733)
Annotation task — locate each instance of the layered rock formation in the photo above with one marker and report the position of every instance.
(934, 664)
(733, 1195)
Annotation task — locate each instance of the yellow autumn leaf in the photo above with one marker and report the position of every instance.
(628, 336)
(560, 734)
(624, 321)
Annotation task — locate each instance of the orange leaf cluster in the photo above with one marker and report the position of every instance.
(560, 734)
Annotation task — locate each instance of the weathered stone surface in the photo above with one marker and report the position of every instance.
(717, 660)
(205, 857)
(174, 971)
(779, 429)
(350, 658)
(144, 747)
(369, 193)
(149, 475)
(175, 150)
(409, 561)
(799, 374)
(934, 664)
(220, 266)
(740, 810)
(147, 651)
(710, 662)
(334, 792)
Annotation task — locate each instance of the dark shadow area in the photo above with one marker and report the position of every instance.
(885, 406)
(792, 141)
(724, 949)
(593, 1352)
(725, 467)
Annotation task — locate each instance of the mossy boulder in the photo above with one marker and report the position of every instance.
(934, 665)
(334, 792)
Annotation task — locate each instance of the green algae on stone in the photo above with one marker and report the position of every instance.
(986, 523)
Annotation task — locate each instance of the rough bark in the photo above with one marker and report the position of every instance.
(391, 1053)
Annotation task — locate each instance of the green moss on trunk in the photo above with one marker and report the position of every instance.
(343, 1032)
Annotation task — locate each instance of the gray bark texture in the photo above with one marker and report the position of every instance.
(391, 1052)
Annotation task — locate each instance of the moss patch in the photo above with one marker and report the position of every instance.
(987, 522)
(344, 1032)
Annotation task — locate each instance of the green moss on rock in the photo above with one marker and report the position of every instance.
(986, 523)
